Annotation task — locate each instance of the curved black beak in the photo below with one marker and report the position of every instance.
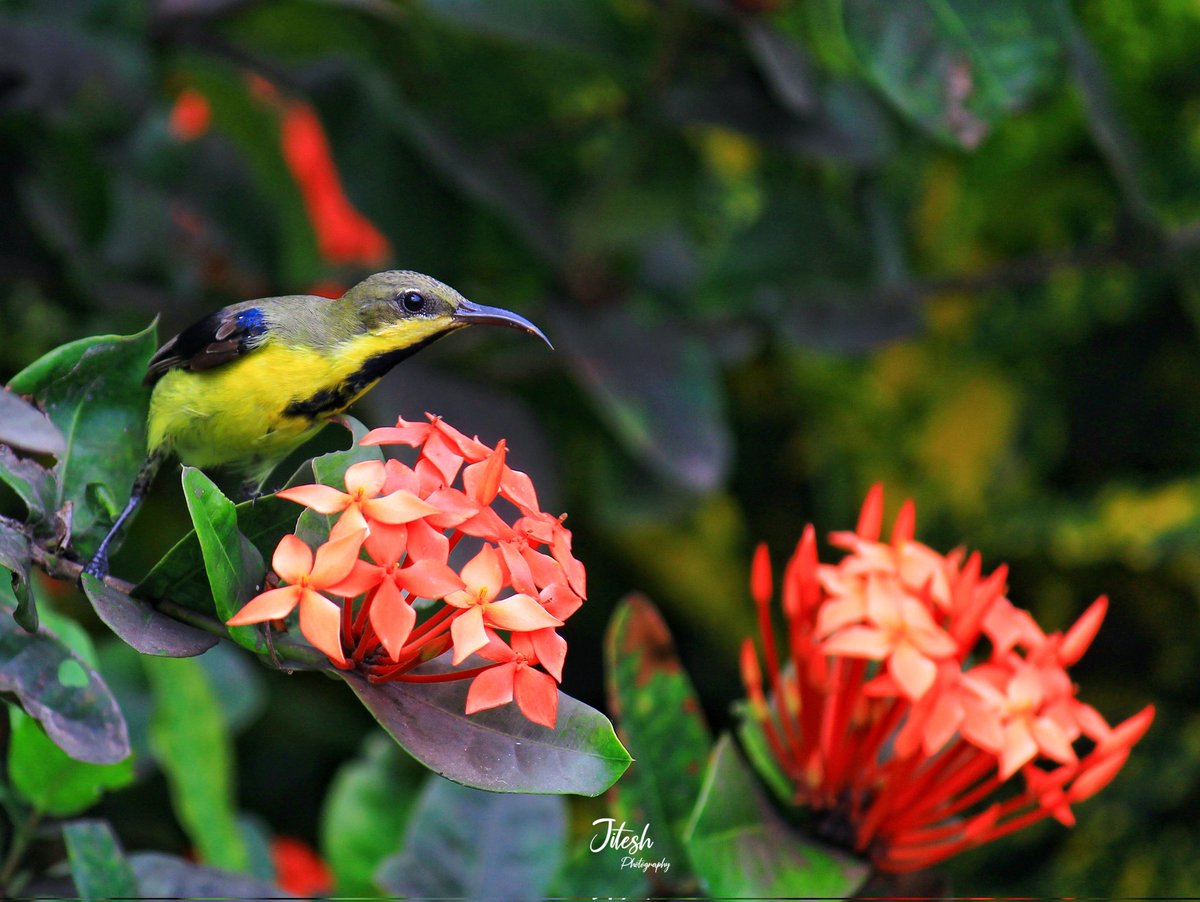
(471, 314)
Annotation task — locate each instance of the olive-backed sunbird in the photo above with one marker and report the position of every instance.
(246, 385)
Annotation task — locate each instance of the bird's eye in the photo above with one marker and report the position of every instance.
(413, 301)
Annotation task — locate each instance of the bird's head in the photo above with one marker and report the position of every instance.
(412, 308)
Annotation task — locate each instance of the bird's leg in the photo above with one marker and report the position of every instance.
(98, 566)
(250, 490)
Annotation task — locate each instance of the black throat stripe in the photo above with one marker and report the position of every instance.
(336, 398)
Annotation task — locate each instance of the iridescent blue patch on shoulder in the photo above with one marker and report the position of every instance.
(252, 322)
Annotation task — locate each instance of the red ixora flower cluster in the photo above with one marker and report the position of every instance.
(390, 548)
(916, 691)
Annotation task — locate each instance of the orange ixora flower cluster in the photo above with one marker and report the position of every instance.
(916, 691)
(400, 602)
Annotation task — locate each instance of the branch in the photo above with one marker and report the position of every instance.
(294, 654)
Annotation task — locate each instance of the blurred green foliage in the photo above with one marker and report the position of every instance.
(786, 249)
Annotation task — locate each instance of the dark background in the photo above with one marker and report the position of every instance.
(784, 249)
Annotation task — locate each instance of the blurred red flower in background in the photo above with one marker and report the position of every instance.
(916, 691)
(344, 235)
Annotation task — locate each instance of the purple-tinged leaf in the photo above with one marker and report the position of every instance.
(14, 557)
(24, 426)
(162, 876)
(498, 750)
(31, 481)
(149, 631)
(58, 689)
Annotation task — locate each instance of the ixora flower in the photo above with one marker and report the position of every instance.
(400, 603)
(916, 693)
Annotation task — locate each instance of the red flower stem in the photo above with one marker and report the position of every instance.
(931, 797)
(430, 623)
(893, 778)
(939, 780)
(771, 655)
(443, 677)
(883, 727)
(360, 622)
(843, 707)
(967, 799)
(367, 643)
(347, 622)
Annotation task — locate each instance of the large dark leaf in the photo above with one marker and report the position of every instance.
(955, 67)
(659, 719)
(659, 389)
(463, 843)
(365, 813)
(741, 848)
(92, 390)
(235, 568)
(98, 864)
(137, 623)
(56, 687)
(24, 426)
(499, 749)
(162, 876)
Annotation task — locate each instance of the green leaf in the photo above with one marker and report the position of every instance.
(497, 750)
(14, 557)
(192, 743)
(141, 626)
(98, 864)
(92, 390)
(366, 810)
(235, 568)
(466, 844)
(162, 876)
(741, 848)
(31, 481)
(57, 687)
(955, 67)
(24, 426)
(659, 720)
(49, 779)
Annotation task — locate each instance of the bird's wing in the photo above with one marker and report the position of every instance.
(217, 339)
